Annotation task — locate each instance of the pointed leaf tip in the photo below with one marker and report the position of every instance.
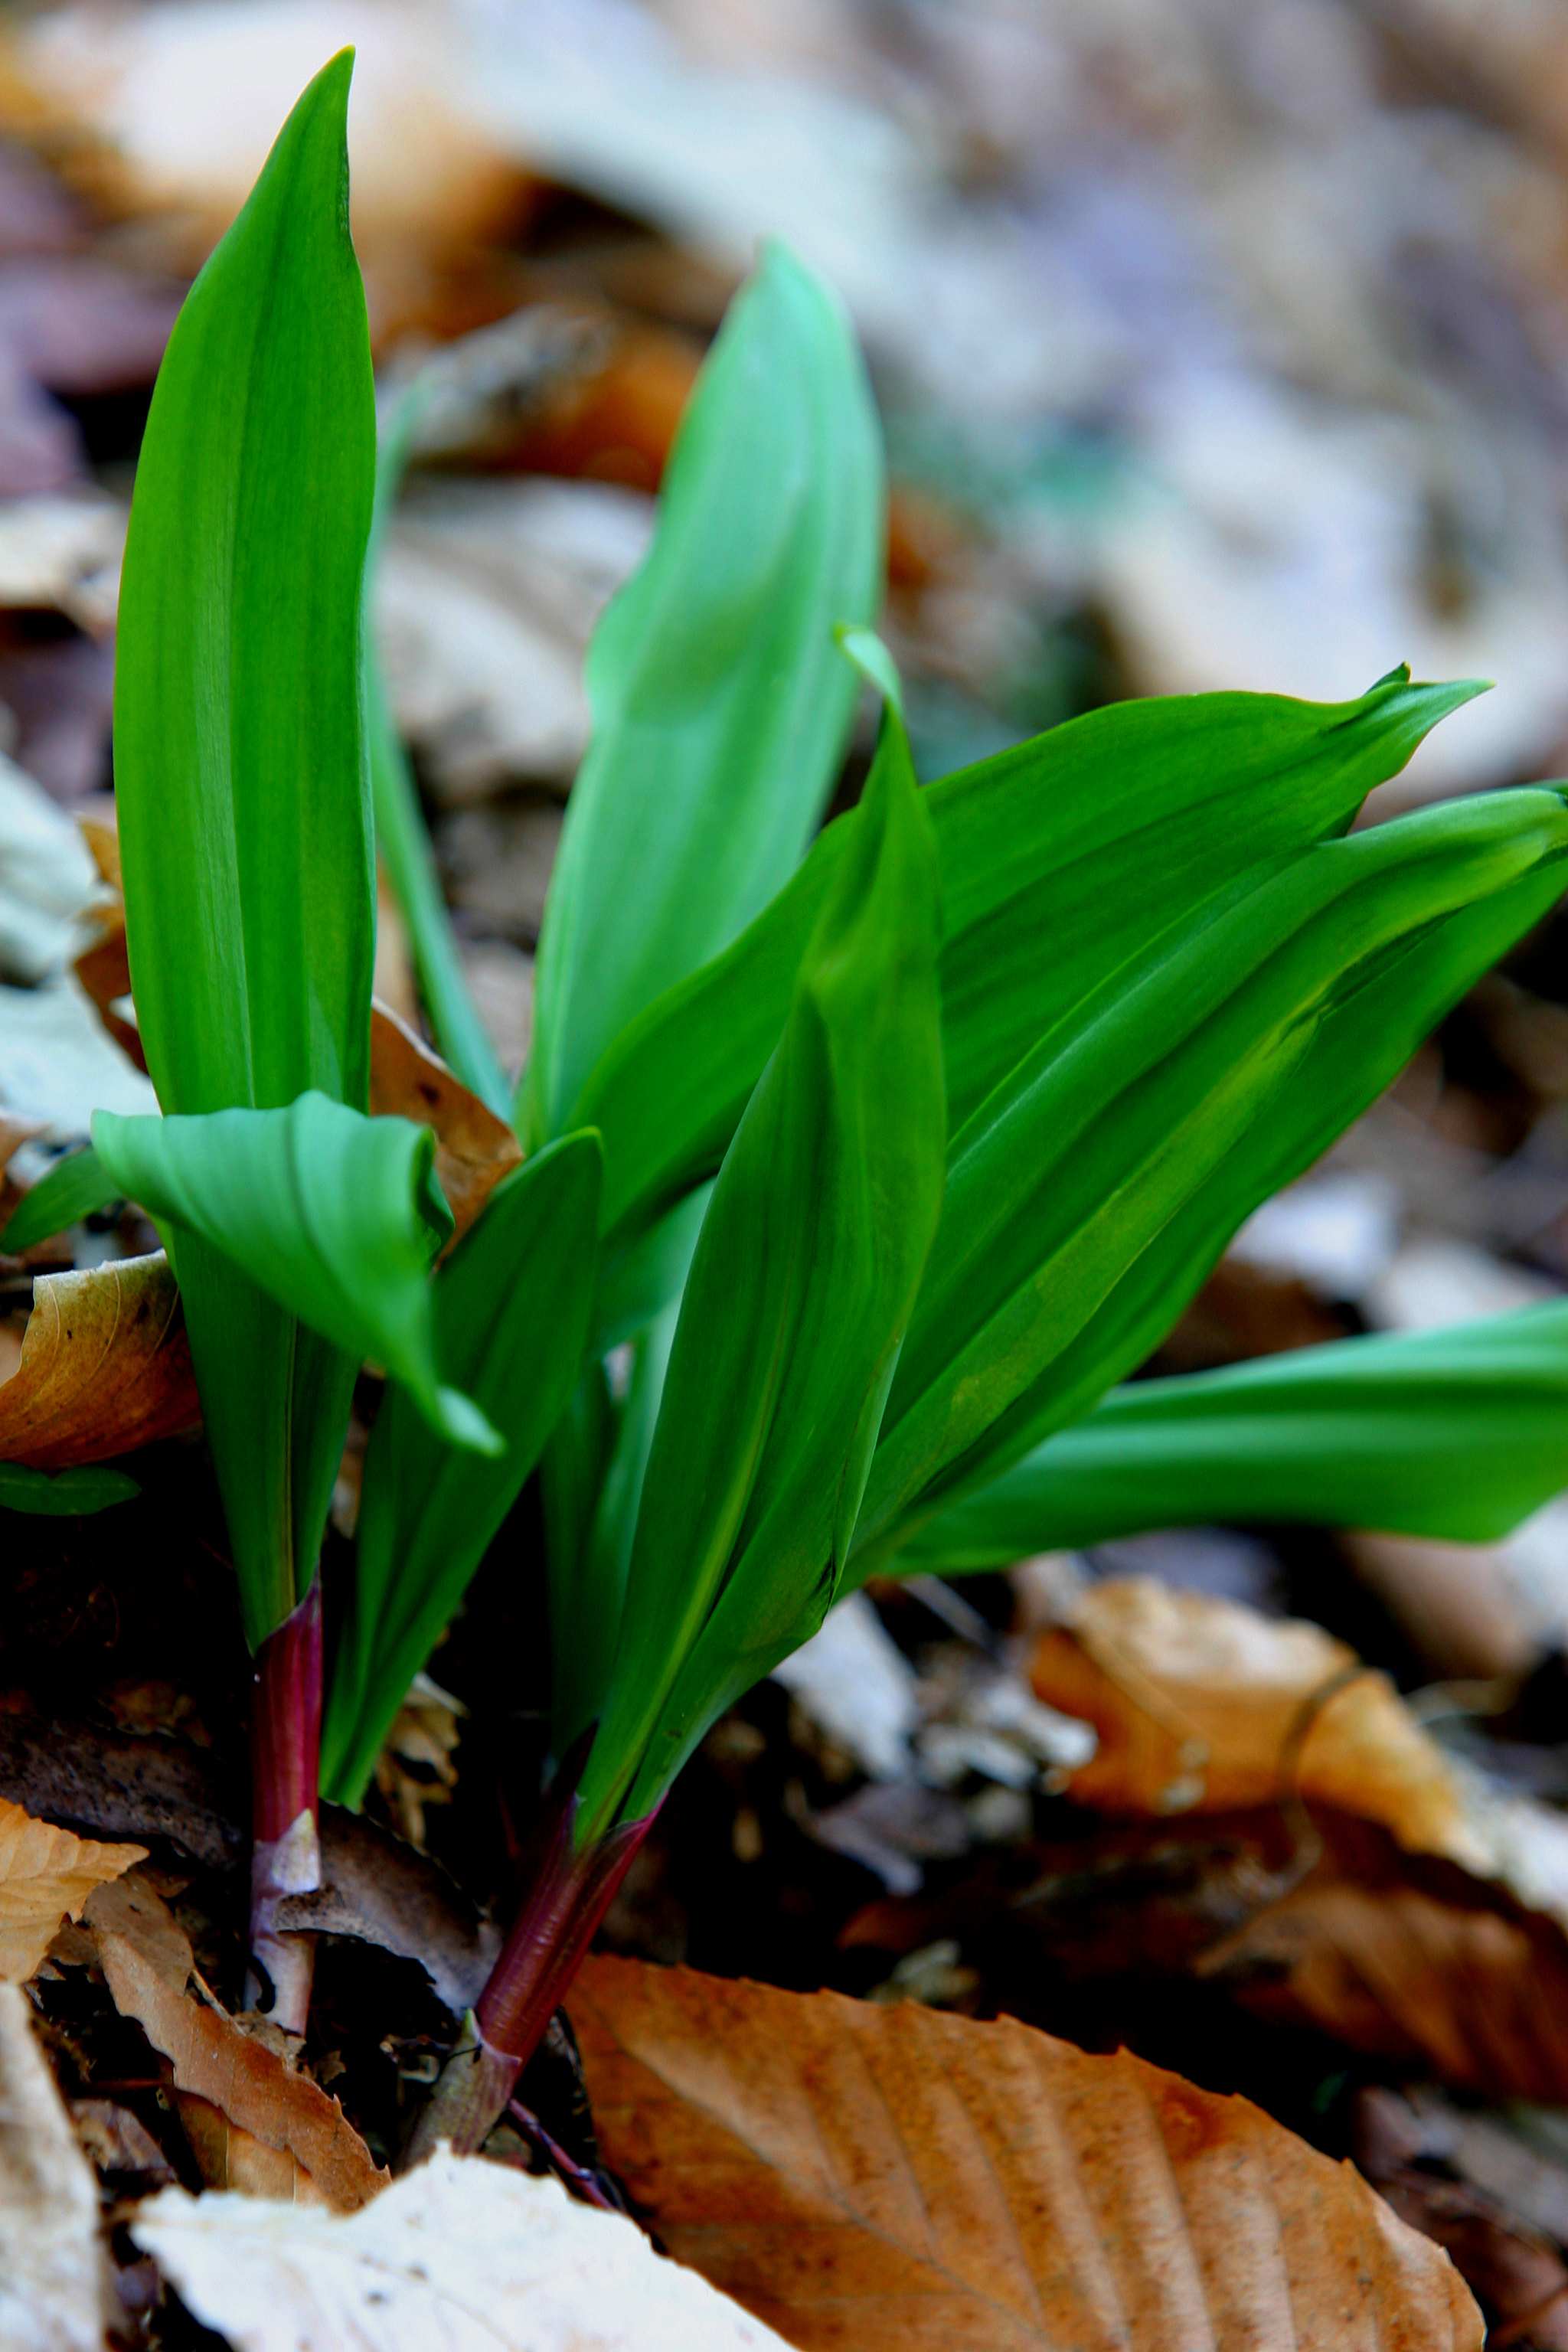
(864, 649)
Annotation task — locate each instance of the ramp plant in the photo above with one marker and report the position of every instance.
(861, 1168)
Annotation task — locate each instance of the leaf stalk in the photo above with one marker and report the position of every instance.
(286, 1853)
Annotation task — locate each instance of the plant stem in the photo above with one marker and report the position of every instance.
(285, 1855)
(569, 1895)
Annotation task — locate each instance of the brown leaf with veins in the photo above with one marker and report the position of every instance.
(106, 1366)
(474, 1149)
(147, 1964)
(45, 1876)
(862, 2176)
(1477, 1997)
(1204, 1705)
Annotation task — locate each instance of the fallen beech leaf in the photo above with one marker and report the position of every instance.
(1480, 1999)
(146, 1960)
(230, 2158)
(867, 2176)
(46, 1875)
(106, 1366)
(1202, 1705)
(474, 1149)
(52, 2281)
(104, 970)
(462, 2254)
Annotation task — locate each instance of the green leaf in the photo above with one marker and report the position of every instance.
(461, 1033)
(336, 1217)
(592, 1500)
(1101, 1139)
(1458, 1433)
(71, 1190)
(239, 752)
(511, 1319)
(803, 1276)
(720, 703)
(1060, 861)
(63, 1494)
(241, 777)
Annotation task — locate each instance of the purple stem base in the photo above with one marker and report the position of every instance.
(285, 1855)
(569, 1895)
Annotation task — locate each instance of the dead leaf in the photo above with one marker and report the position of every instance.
(147, 1962)
(1479, 1996)
(124, 1787)
(45, 1876)
(466, 2255)
(106, 1366)
(380, 1890)
(1202, 1705)
(117, 2141)
(862, 2175)
(474, 1149)
(104, 970)
(52, 2277)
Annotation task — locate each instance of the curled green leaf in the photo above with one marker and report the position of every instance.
(336, 1217)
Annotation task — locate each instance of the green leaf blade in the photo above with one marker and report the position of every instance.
(511, 1311)
(802, 1280)
(70, 1191)
(239, 751)
(1456, 1433)
(720, 702)
(1100, 1141)
(335, 1217)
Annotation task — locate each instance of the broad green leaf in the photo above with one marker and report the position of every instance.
(461, 1033)
(720, 703)
(240, 751)
(1457, 1433)
(69, 1192)
(63, 1494)
(1103, 1136)
(1358, 1048)
(1061, 861)
(336, 1217)
(511, 1319)
(591, 1560)
(803, 1279)
(241, 781)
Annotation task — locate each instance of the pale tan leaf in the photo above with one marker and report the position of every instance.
(45, 1876)
(462, 2254)
(864, 2176)
(52, 2276)
(106, 1366)
(1202, 1705)
(146, 1960)
(474, 1149)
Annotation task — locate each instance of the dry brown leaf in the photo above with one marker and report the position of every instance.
(1479, 1998)
(1202, 1705)
(147, 1961)
(104, 970)
(474, 1149)
(106, 1366)
(45, 1876)
(52, 2276)
(869, 2176)
(228, 2157)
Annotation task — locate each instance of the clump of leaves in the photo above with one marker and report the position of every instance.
(859, 1170)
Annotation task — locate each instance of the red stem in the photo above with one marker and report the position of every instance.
(569, 1895)
(285, 1760)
